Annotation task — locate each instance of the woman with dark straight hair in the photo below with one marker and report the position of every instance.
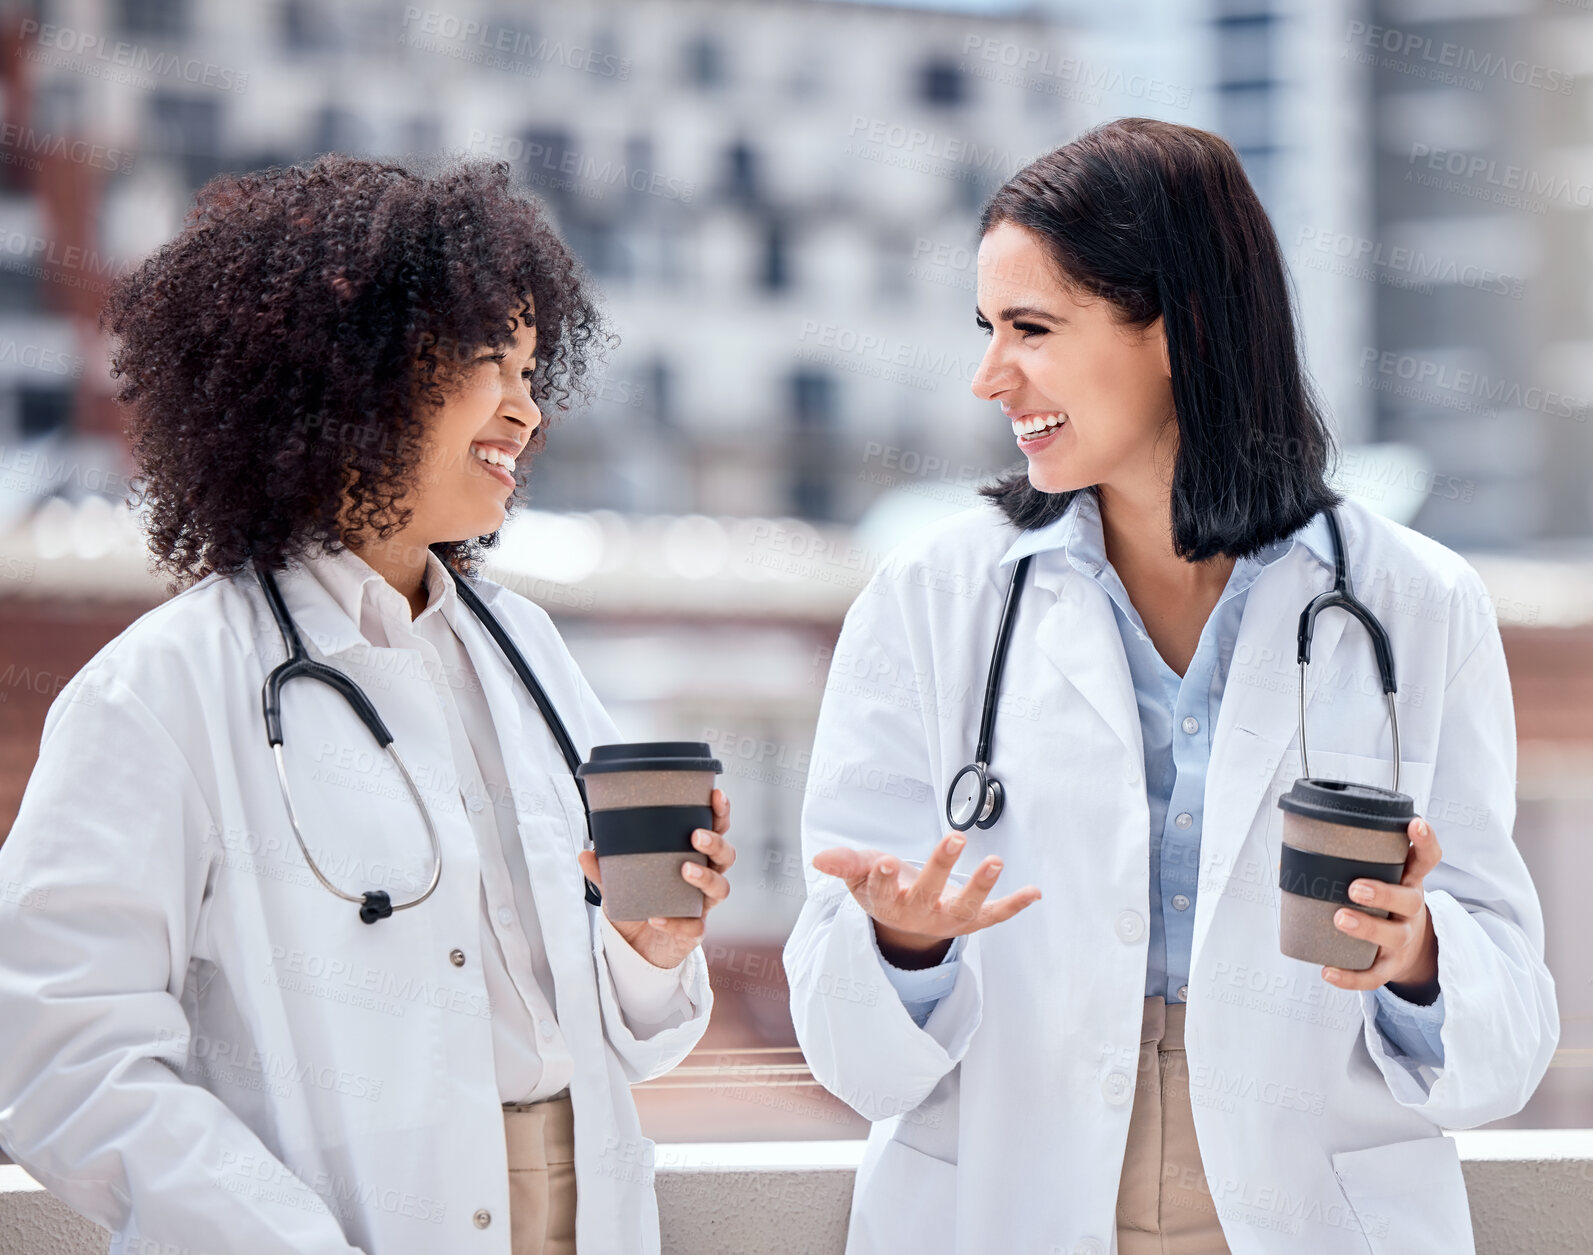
(1247, 980)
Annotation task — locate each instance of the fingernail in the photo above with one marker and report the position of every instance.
(657, 921)
(1332, 975)
(693, 871)
(1346, 919)
(992, 871)
(955, 845)
(1360, 892)
(700, 839)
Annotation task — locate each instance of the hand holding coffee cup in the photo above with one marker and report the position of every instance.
(1353, 860)
(914, 923)
(1406, 945)
(660, 848)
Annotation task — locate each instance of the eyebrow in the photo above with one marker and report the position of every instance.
(1013, 312)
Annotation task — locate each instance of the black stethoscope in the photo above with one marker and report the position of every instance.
(376, 904)
(975, 797)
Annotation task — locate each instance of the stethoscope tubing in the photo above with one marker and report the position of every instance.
(376, 904)
(987, 803)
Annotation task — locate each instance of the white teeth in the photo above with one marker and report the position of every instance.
(495, 456)
(1036, 423)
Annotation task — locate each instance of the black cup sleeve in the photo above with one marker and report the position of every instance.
(1327, 878)
(648, 829)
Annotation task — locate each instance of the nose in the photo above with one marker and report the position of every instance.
(520, 408)
(996, 373)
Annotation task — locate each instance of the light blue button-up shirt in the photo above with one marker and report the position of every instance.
(1177, 715)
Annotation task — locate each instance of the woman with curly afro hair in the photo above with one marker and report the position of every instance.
(335, 378)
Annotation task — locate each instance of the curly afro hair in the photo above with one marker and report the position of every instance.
(278, 358)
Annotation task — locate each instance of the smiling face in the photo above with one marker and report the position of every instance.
(1089, 398)
(467, 472)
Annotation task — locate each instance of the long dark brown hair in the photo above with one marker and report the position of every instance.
(1160, 220)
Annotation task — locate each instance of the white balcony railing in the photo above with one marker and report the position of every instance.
(1531, 1194)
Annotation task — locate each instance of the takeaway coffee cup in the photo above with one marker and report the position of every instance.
(1335, 832)
(646, 799)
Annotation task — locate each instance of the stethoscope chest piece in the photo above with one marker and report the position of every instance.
(975, 800)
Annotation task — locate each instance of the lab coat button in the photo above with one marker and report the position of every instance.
(456, 957)
(1089, 1246)
(474, 802)
(1118, 1088)
(505, 915)
(1130, 926)
(547, 1028)
(483, 1218)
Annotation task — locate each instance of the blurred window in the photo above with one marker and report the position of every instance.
(705, 61)
(188, 130)
(774, 273)
(940, 82)
(152, 17)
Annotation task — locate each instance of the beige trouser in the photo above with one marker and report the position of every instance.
(541, 1139)
(1163, 1204)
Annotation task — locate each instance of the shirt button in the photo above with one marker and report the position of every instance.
(1184, 819)
(1089, 1246)
(482, 1218)
(1117, 1087)
(1183, 993)
(505, 915)
(1191, 724)
(1130, 926)
(547, 1028)
(1180, 902)
(474, 802)
(456, 957)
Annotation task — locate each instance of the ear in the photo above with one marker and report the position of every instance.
(1159, 330)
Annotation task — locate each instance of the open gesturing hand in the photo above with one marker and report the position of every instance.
(916, 921)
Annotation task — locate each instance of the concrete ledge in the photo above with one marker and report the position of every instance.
(1531, 1194)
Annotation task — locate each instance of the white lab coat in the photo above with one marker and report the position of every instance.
(1001, 1124)
(201, 1046)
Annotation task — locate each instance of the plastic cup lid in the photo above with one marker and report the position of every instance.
(650, 756)
(1354, 805)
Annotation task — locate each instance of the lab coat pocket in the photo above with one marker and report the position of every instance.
(1415, 777)
(1409, 1198)
(907, 1203)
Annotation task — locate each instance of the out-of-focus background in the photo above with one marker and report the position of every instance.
(777, 199)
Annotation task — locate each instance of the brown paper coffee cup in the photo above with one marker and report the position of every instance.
(1335, 832)
(646, 799)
